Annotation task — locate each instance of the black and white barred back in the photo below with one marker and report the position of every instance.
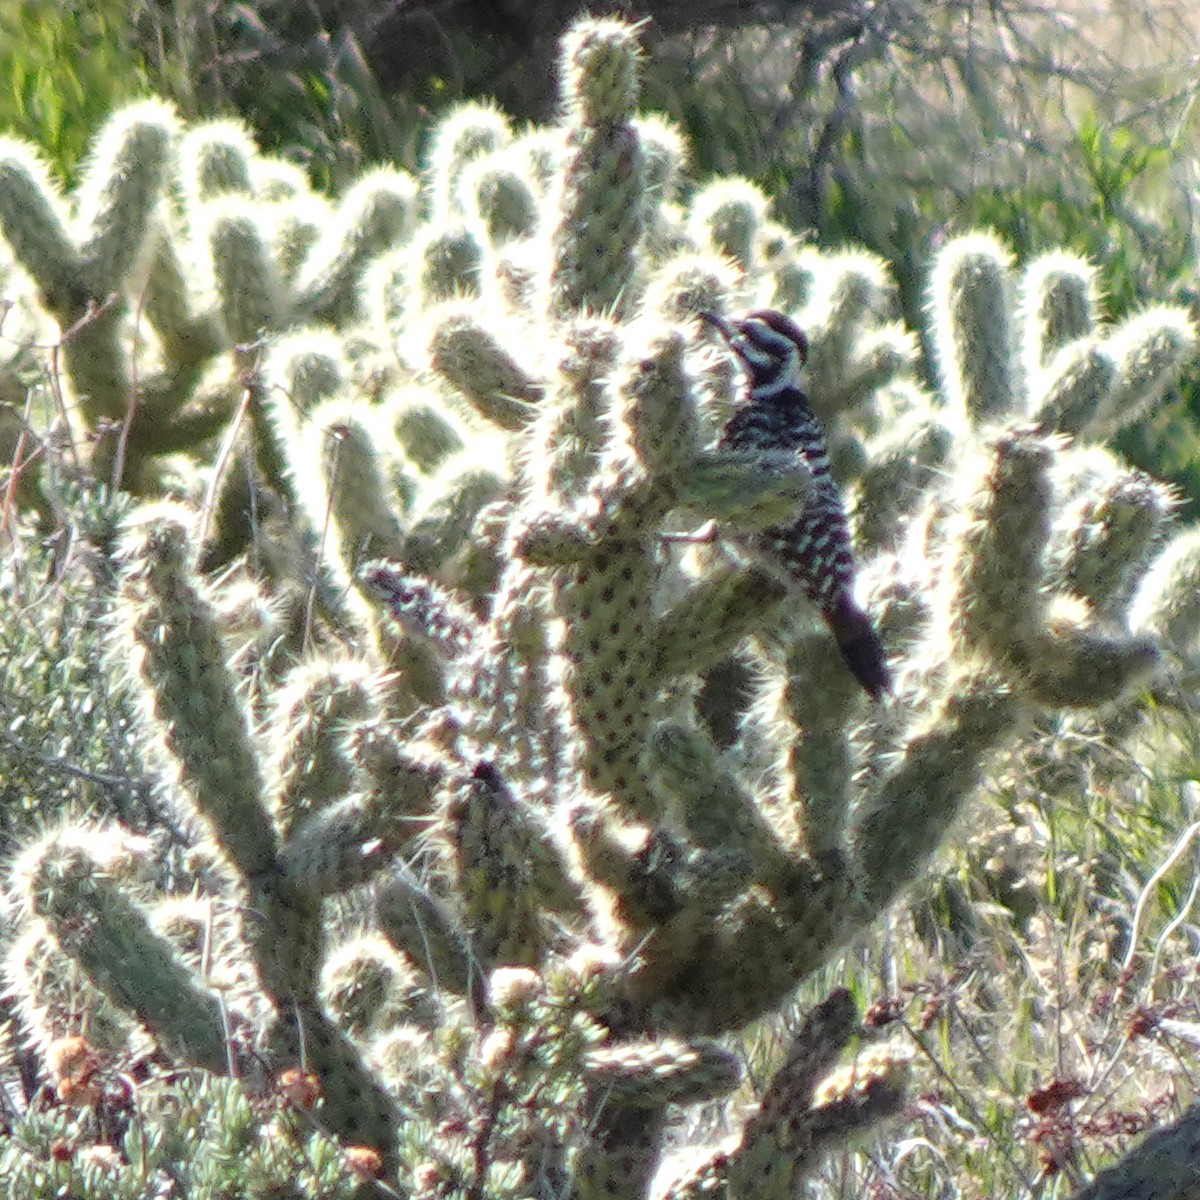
(815, 549)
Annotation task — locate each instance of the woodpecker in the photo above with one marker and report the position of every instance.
(814, 550)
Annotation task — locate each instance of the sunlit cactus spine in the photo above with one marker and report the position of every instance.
(310, 765)
(1060, 655)
(82, 256)
(277, 180)
(444, 263)
(213, 246)
(489, 840)
(121, 189)
(87, 254)
(377, 213)
(343, 478)
(905, 456)
(1006, 524)
(216, 158)
(372, 989)
(1166, 601)
(1059, 302)
(847, 311)
(304, 370)
(789, 272)
(426, 429)
(1149, 349)
(285, 862)
(499, 198)
(804, 1114)
(189, 334)
(139, 970)
(300, 222)
(52, 996)
(170, 634)
(567, 436)
(599, 220)
(665, 158)
(470, 132)
(726, 219)
(686, 283)
(481, 365)
(606, 598)
(970, 297)
(444, 514)
(35, 220)
(1076, 387)
(275, 444)
(246, 283)
(1112, 523)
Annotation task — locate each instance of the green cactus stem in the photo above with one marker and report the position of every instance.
(972, 330)
(599, 221)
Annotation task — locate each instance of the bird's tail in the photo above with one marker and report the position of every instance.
(860, 645)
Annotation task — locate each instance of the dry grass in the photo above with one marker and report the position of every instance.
(1045, 982)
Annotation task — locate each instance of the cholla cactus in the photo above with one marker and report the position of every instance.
(495, 418)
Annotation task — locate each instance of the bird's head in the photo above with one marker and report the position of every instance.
(771, 347)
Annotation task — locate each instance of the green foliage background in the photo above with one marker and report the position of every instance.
(53, 94)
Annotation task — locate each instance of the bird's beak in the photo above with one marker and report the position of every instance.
(722, 326)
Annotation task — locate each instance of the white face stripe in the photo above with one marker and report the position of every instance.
(772, 387)
(768, 353)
